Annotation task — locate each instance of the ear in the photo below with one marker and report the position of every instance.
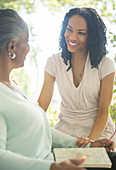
(10, 46)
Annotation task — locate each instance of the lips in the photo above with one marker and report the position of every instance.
(72, 44)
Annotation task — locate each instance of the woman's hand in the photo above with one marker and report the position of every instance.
(108, 144)
(68, 164)
(82, 141)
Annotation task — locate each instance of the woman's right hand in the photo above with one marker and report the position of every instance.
(82, 141)
(108, 144)
(68, 164)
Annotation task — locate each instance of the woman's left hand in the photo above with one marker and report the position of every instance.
(82, 141)
(108, 144)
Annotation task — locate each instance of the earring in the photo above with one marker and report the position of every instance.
(12, 56)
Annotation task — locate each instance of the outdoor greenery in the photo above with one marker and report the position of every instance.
(106, 8)
(29, 5)
(52, 115)
(20, 76)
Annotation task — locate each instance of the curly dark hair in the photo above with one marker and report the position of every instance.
(96, 36)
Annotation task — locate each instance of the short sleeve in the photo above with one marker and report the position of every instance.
(53, 64)
(50, 66)
(106, 67)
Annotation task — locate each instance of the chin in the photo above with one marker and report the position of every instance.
(71, 50)
(19, 66)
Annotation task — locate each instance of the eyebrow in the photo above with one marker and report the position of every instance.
(69, 26)
(79, 29)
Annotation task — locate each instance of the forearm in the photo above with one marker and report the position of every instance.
(13, 161)
(106, 91)
(46, 92)
(98, 126)
(61, 140)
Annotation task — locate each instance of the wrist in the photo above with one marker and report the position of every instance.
(91, 138)
(92, 144)
(53, 166)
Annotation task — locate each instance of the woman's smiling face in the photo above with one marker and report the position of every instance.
(76, 34)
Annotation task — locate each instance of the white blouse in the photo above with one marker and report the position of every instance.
(79, 105)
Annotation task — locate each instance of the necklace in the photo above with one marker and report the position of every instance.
(7, 83)
(81, 73)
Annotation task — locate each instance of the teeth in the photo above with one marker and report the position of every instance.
(73, 43)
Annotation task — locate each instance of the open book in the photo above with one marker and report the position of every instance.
(96, 157)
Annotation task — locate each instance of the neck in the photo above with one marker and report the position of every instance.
(5, 70)
(78, 60)
(80, 55)
(4, 76)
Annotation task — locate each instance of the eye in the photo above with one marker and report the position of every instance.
(27, 40)
(82, 33)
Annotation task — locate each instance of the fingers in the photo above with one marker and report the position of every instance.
(109, 145)
(72, 164)
(78, 161)
(68, 164)
(82, 141)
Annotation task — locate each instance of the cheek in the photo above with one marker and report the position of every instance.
(85, 40)
(65, 34)
(28, 48)
(25, 49)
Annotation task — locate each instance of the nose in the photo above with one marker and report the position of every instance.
(74, 36)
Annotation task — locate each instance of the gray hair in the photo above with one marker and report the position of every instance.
(11, 26)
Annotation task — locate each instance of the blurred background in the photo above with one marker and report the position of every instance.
(44, 18)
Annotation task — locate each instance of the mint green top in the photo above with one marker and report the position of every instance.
(26, 140)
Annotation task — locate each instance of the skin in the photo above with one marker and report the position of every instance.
(20, 48)
(76, 37)
(68, 165)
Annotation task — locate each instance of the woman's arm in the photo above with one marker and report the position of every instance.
(10, 160)
(47, 91)
(106, 92)
(62, 140)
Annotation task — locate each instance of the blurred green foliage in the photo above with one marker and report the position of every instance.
(22, 80)
(113, 112)
(29, 5)
(52, 115)
(113, 106)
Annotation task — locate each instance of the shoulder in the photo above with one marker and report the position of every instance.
(55, 61)
(55, 58)
(54, 64)
(106, 66)
(107, 61)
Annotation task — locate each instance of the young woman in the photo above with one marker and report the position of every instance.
(84, 75)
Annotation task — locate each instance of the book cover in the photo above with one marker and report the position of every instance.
(96, 157)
